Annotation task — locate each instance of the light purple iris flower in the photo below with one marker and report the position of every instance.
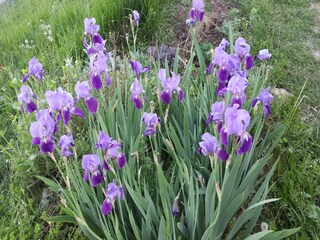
(136, 90)
(65, 142)
(196, 12)
(83, 91)
(62, 102)
(25, 98)
(152, 121)
(42, 131)
(35, 69)
(210, 146)
(90, 26)
(136, 17)
(99, 69)
(111, 150)
(237, 85)
(265, 97)
(242, 49)
(236, 122)
(264, 55)
(170, 85)
(113, 192)
(216, 114)
(138, 69)
(224, 44)
(90, 164)
(97, 44)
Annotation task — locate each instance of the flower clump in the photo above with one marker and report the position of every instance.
(196, 12)
(96, 170)
(228, 115)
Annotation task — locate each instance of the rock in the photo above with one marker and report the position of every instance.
(280, 93)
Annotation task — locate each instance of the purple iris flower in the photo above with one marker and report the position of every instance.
(25, 98)
(216, 114)
(221, 60)
(111, 150)
(83, 91)
(210, 146)
(237, 85)
(152, 121)
(90, 26)
(64, 144)
(264, 55)
(265, 97)
(242, 49)
(113, 192)
(42, 131)
(196, 12)
(236, 122)
(224, 44)
(175, 209)
(136, 90)
(170, 86)
(99, 69)
(35, 69)
(138, 69)
(90, 164)
(136, 17)
(62, 102)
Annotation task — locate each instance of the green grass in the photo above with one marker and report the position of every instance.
(285, 27)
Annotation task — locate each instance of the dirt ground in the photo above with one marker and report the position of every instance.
(216, 11)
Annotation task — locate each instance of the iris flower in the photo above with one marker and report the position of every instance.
(170, 85)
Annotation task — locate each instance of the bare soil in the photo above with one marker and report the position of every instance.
(216, 11)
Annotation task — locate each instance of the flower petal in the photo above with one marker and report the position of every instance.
(77, 111)
(246, 143)
(166, 97)
(31, 107)
(224, 136)
(96, 178)
(92, 104)
(66, 116)
(106, 207)
(122, 161)
(47, 146)
(222, 154)
(96, 81)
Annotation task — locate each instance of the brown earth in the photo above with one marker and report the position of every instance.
(216, 11)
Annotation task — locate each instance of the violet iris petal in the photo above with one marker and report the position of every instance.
(65, 142)
(25, 98)
(241, 47)
(265, 97)
(236, 120)
(35, 69)
(96, 178)
(246, 143)
(91, 163)
(136, 90)
(264, 55)
(210, 146)
(151, 120)
(106, 207)
(170, 85)
(216, 114)
(136, 17)
(90, 26)
(92, 104)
